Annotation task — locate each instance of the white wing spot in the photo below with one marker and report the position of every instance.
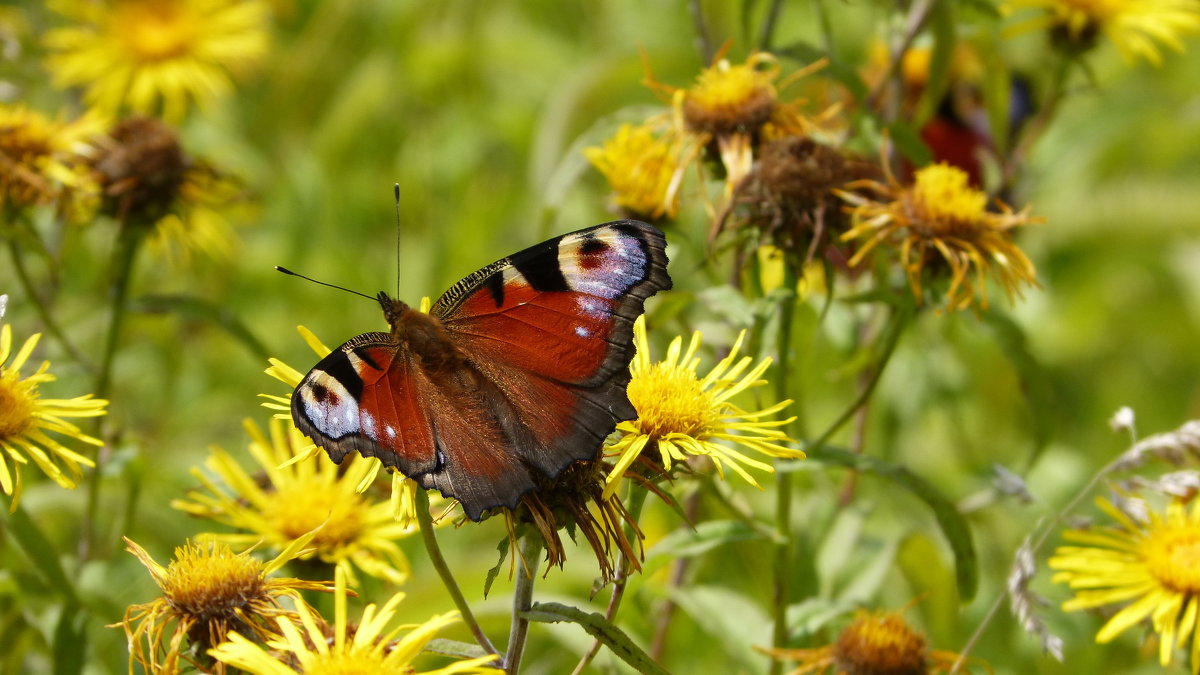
(391, 431)
(583, 332)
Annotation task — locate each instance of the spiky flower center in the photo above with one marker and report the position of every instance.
(207, 580)
(880, 644)
(1173, 556)
(300, 507)
(670, 400)
(944, 201)
(730, 98)
(153, 30)
(17, 403)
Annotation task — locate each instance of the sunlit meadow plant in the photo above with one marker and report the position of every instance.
(208, 591)
(799, 257)
(297, 497)
(151, 56)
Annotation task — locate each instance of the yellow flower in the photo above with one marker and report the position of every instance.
(642, 166)
(940, 226)
(41, 161)
(299, 497)
(681, 415)
(403, 500)
(875, 643)
(1153, 565)
(149, 181)
(1136, 27)
(209, 590)
(735, 105)
(25, 419)
(373, 646)
(137, 53)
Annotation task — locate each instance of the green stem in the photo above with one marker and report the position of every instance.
(918, 16)
(637, 501)
(531, 552)
(129, 241)
(703, 41)
(1037, 126)
(1035, 545)
(781, 567)
(42, 309)
(767, 34)
(827, 40)
(899, 321)
(425, 522)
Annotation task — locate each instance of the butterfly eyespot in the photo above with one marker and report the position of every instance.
(322, 395)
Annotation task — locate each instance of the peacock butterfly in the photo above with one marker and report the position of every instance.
(521, 367)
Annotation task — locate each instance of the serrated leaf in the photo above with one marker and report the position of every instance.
(600, 628)
(461, 650)
(203, 310)
(952, 523)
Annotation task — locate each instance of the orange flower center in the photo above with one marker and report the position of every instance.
(670, 400)
(16, 405)
(1173, 557)
(880, 644)
(943, 200)
(209, 580)
(155, 31)
(729, 99)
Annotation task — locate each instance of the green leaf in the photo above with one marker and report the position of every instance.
(833, 555)
(41, 553)
(502, 549)
(845, 73)
(908, 142)
(1035, 379)
(601, 629)
(707, 536)
(941, 61)
(199, 309)
(461, 650)
(70, 640)
(728, 617)
(952, 523)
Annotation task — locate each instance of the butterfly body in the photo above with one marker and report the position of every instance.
(518, 369)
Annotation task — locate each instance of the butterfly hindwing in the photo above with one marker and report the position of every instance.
(520, 368)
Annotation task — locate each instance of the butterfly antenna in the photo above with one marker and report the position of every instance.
(396, 193)
(322, 283)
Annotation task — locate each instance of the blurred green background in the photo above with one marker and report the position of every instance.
(478, 111)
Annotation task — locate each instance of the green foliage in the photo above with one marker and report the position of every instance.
(480, 112)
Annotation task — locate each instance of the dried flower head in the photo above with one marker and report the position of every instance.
(27, 421)
(147, 55)
(789, 199)
(942, 231)
(207, 591)
(149, 181)
(1150, 568)
(288, 499)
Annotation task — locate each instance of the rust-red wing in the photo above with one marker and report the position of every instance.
(552, 328)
